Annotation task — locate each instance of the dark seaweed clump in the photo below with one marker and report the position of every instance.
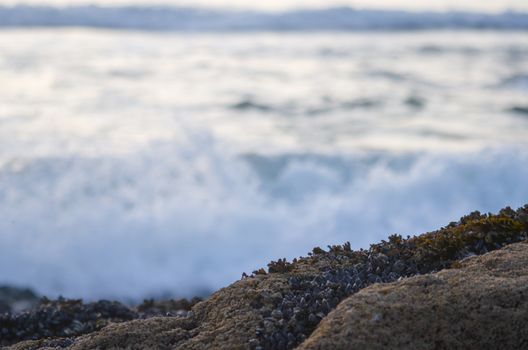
(340, 272)
(67, 319)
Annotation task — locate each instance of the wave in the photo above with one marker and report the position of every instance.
(180, 220)
(516, 82)
(313, 109)
(193, 19)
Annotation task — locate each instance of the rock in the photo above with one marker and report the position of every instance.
(281, 308)
(225, 319)
(520, 110)
(15, 300)
(4, 307)
(483, 304)
(64, 318)
(415, 102)
(61, 318)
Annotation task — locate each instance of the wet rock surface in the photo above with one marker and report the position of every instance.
(482, 304)
(281, 308)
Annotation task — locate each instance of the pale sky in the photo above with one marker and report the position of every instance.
(474, 5)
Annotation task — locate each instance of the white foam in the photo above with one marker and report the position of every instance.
(184, 220)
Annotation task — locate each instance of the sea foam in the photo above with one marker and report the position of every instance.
(187, 220)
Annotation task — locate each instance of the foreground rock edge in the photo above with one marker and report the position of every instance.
(280, 309)
(483, 304)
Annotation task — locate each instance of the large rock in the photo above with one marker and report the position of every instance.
(281, 308)
(226, 320)
(482, 304)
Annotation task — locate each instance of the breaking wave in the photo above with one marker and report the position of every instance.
(186, 220)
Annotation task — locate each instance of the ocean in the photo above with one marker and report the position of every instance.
(158, 163)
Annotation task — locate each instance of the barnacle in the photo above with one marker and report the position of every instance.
(280, 266)
(324, 278)
(260, 271)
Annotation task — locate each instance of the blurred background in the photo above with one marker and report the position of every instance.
(162, 150)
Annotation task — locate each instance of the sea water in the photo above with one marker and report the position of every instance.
(147, 164)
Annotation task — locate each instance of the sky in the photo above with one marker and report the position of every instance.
(278, 5)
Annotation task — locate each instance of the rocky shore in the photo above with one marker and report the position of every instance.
(62, 318)
(391, 295)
